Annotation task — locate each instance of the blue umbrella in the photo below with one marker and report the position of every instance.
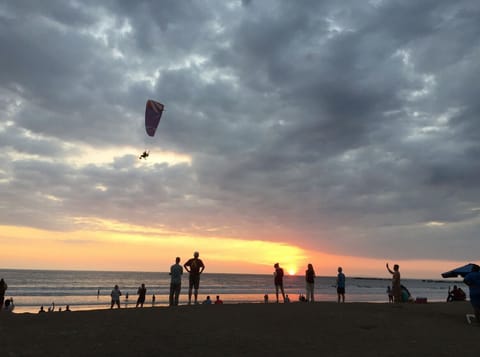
(461, 271)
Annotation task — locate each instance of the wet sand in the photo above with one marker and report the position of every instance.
(297, 329)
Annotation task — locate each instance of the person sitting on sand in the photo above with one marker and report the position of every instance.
(115, 294)
(456, 294)
(8, 305)
(207, 301)
(218, 301)
(41, 310)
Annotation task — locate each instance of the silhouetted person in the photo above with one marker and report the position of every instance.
(195, 267)
(456, 294)
(115, 294)
(3, 289)
(176, 271)
(142, 292)
(310, 283)
(278, 280)
(218, 300)
(396, 285)
(473, 281)
(340, 285)
(207, 301)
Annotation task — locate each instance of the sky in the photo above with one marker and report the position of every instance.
(337, 133)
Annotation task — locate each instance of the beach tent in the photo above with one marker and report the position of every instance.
(461, 271)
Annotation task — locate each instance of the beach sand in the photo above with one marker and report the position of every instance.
(296, 329)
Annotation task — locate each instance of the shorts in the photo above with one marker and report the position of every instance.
(341, 291)
(194, 281)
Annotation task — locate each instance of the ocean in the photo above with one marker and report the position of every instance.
(87, 290)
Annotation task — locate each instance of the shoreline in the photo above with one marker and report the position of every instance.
(325, 328)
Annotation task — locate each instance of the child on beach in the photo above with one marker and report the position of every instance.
(115, 294)
(390, 294)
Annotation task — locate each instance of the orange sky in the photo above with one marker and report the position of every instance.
(114, 246)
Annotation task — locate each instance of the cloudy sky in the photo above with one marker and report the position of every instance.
(332, 132)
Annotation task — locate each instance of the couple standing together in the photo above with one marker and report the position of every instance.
(194, 267)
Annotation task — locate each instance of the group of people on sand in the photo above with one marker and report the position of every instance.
(193, 266)
(278, 275)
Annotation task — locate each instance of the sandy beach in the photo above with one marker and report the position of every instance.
(324, 329)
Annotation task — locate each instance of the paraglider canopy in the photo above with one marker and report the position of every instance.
(153, 113)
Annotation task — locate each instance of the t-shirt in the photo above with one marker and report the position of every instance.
(341, 280)
(195, 265)
(176, 271)
(278, 276)
(115, 294)
(473, 281)
(142, 292)
(310, 276)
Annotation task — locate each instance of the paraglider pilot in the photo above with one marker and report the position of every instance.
(144, 155)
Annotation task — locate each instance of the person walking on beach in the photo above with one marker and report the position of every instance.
(473, 281)
(278, 280)
(195, 267)
(142, 292)
(115, 294)
(176, 271)
(340, 285)
(396, 285)
(310, 283)
(3, 289)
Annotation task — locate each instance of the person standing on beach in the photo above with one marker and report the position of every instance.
(142, 292)
(278, 280)
(340, 285)
(115, 294)
(195, 267)
(396, 285)
(3, 289)
(176, 271)
(310, 282)
(473, 281)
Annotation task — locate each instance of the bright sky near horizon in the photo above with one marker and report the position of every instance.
(324, 132)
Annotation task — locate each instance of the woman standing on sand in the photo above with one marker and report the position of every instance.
(396, 288)
(310, 282)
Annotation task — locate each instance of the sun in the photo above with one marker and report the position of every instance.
(292, 271)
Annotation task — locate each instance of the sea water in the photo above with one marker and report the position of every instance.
(86, 290)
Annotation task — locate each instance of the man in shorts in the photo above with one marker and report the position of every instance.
(195, 267)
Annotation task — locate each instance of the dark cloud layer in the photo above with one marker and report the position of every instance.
(350, 126)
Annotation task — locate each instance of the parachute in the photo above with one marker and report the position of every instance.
(153, 113)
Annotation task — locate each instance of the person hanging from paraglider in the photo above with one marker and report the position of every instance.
(144, 155)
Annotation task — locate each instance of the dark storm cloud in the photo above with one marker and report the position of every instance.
(348, 126)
